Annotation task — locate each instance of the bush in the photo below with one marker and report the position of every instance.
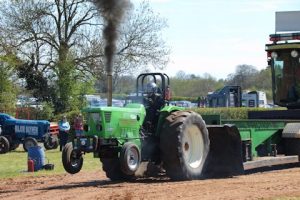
(229, 113)
(178, 98)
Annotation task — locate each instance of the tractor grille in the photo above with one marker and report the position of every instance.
(107, 116)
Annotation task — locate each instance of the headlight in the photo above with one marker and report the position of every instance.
(274, 55)
(294, 53)
(83, 142)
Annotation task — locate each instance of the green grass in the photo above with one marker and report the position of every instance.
(14, 163)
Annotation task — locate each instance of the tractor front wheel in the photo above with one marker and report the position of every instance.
(51, 143)
(112, 168)
(72, 160)
(29, 142)
(130, 158)
(184, 145)
(4, 145)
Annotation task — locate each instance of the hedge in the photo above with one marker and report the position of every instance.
(226, 113)
(230, 113)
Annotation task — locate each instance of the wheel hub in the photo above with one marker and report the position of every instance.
(132, 159)
(75, 159)
(193, 146)
(186, 146)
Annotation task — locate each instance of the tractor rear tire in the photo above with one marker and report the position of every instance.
(112, 168)
(184, 145)
(72, 160)
(29, 142)
(130, 158)
(51, 143)
(4, 145)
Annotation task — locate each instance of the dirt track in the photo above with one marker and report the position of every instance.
(94, 185)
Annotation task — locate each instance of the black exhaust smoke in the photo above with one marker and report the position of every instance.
(112, 12)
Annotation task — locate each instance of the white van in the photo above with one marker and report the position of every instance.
(254, 99)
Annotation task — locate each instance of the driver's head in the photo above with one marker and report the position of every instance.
(64, 118)
(151, 88)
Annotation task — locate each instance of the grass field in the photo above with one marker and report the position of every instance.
(14, 163)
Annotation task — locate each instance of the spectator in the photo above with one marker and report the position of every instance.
(78, 125)
(199, 102)
(64, 128)
(168, 94)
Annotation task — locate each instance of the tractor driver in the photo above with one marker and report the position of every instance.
(153, 103)
(154, 96)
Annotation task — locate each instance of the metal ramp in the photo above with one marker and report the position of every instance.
(270, 161)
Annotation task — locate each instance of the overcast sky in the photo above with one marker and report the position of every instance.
(215, 36)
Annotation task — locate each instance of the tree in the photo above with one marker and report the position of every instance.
(244, 76)
(141, 43)
(249, 78)
(126, 84)
(36, 82)
(264, 79)
(7, 88)
(194, 86)
(46, 36)
(60, 41)
(181, 75)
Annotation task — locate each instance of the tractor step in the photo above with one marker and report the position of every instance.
(270, 161)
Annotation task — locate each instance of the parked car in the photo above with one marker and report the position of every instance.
(103, 103)
(186, 104)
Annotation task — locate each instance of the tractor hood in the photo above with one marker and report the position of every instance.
(112, 122)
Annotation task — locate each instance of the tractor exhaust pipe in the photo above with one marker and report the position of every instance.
(109, 89)
(112, 12)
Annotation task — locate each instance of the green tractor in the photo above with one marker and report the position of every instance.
(151, 131)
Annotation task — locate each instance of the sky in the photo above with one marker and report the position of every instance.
(215, 36)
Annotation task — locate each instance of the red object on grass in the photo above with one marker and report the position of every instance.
(30, 164)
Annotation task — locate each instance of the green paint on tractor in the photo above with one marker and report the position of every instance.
(147, 130)
(115, 122)
(262, 134)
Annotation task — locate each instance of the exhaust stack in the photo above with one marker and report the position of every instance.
(109, 89)
(112, 12)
